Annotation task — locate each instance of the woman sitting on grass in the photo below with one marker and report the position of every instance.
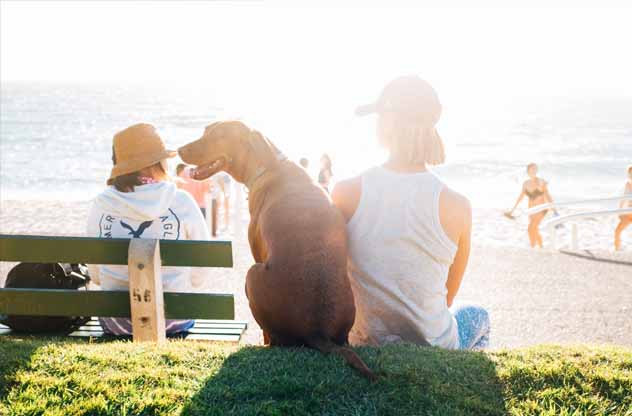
(142, 202)
(409, 234)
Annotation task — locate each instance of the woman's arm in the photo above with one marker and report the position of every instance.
(196, 229)
(92, 230)
(346, 196)
(455, 214)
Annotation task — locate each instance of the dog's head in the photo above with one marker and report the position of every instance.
(229, 146)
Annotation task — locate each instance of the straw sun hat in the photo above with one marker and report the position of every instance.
(137, 147)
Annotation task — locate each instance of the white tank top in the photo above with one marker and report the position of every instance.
(399, 261)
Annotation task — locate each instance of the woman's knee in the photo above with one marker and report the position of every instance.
(533, 226)
(474, 326)
(483, 316)
(472, 311)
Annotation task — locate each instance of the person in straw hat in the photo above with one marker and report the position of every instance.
(408, 233)
(142, 202)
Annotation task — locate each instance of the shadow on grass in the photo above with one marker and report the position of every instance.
(414, 381)
(17, 352)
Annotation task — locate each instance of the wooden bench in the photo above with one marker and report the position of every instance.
(145, 303)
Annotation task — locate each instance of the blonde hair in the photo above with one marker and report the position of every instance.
(411, 141)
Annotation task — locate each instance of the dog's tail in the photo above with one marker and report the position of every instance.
(350, 356)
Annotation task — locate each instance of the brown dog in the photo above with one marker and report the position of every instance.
(298, 290)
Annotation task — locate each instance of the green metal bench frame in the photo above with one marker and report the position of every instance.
(214, 311)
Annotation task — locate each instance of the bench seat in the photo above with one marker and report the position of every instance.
(145, 303)
(203, 330)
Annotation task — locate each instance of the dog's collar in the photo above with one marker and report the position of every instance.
(261, 171)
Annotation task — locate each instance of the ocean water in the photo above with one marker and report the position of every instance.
(55, 139)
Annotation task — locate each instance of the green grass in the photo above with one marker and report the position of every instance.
(56, 377)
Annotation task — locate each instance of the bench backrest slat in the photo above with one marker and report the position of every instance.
(50, 302)
(44, 249)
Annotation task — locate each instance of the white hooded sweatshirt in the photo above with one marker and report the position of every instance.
(159, 210)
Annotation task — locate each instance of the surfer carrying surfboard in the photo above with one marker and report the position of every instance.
(536, 190)
(625, 219)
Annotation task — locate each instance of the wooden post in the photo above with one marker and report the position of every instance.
(145, 291)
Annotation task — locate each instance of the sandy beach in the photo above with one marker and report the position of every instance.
(533, 296)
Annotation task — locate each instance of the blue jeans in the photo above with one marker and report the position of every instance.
(474, 327)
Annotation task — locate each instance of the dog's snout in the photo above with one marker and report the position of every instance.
(182, 152)
(186, 153)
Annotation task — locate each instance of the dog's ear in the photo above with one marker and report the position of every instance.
(264, 150)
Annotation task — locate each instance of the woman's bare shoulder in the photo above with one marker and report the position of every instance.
(346, 195)
(455, 202)
(455, 213)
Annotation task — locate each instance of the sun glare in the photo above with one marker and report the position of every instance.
(298, 73)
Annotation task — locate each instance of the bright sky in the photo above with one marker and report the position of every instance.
(298, 73)
(270, 48)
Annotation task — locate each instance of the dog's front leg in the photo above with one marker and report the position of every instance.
(257, 245)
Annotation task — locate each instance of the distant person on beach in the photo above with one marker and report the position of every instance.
(222, 184)
(142, 202)
(197, 189)
(304, 163)
(408, 233)
(536, 189)
(325, 174)
(626, 219)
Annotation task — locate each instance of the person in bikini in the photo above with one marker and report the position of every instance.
(536, 190)
(625, 219)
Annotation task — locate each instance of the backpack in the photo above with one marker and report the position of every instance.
(46, 276)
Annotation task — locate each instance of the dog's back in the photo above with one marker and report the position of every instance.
(300, 293)
(305, 253)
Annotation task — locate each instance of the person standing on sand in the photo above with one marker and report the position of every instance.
(325, 174)
(536, 189)
(222, 184)
(142, 202)
(197, 189)
(408, 233)
(626, 219)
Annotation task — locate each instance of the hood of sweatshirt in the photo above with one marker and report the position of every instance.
(147, 202)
